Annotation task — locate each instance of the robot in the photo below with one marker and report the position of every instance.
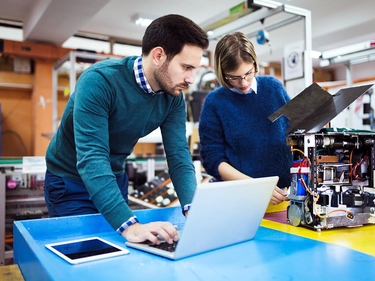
(333, 170)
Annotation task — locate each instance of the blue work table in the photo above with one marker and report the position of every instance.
(271, 255)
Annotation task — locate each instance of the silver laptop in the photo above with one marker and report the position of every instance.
(232, 209)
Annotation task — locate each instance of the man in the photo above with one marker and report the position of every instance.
(115, 103)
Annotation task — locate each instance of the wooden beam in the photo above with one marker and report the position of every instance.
(41, 106)
(34, 50)
(16, 80)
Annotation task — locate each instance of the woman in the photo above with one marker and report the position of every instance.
(237, 139)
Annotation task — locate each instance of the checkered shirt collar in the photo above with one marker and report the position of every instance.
(141, 78)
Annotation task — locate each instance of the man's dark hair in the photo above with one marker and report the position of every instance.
(172, 33)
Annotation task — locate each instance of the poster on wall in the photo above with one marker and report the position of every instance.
(293, 61)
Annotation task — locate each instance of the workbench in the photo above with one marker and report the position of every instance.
(279, 251)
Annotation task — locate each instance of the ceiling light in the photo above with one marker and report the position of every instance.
(353, 56)
(348, 49)
(11, 23)
(142, 19)
(363, 59)
(324, 63)
(315, 54)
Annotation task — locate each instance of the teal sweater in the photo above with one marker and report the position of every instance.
(234, 128)
(103, 120)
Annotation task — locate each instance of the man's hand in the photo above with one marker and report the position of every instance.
(143, 232)
(278, 196)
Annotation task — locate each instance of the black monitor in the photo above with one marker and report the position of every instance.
(196, 103)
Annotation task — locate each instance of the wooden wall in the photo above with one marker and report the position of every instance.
(17, 98)
(25, 94)
(17, 124)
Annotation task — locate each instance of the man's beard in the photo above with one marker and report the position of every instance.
(163, 78)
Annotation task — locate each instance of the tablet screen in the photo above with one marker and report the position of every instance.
(83, 250)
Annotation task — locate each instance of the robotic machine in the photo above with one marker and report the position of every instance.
(333, 170)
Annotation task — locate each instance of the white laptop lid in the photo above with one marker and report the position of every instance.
(222, 214)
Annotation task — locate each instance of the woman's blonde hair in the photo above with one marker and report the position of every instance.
(230, 52)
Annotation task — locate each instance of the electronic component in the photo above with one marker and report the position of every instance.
(333, 171)
(332, 182)
(158, 192)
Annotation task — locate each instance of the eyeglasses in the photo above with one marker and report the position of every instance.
(238, 79)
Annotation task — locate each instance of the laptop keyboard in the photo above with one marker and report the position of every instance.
(165, 246)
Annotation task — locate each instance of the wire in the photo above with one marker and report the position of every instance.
(300, 151)
(303, 161)
(23, 147)
(354, 170)
(351, 164)
(329, 213)
(316, 195)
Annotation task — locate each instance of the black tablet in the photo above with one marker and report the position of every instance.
(87, 249)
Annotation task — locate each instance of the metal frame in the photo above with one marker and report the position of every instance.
(4, 255)
(270, 8)
(72, 57)
(34, 197)
(2, 218)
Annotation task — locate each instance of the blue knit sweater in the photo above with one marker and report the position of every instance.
(103, 120)
(234, 128)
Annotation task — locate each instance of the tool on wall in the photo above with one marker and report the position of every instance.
(263, 37)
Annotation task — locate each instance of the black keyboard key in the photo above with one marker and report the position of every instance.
(165, 246)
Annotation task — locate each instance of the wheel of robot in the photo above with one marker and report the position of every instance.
(294, 215)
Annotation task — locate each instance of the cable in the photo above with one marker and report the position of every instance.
(316, 195)
(304, 158)
(329, 213)
(23, 147)
(354, 170)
